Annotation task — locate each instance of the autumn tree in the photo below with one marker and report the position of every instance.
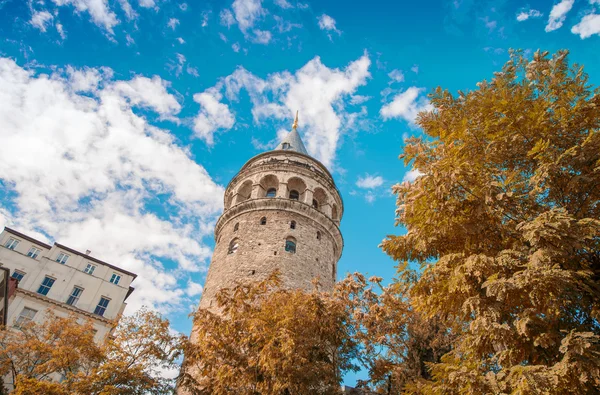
(60, 356)
(397, 343)
(262, 339)
(504, 221)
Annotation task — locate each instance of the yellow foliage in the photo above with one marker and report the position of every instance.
(268, 340)
(505, 224)
(60, 356)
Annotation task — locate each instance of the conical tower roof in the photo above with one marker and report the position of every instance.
(292, 141)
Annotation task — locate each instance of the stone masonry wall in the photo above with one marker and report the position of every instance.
(262, 250)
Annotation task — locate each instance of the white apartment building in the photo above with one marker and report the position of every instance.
(62, 279)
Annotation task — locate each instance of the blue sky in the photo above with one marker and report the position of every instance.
(123, 120)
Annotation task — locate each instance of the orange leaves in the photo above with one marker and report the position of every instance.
(269, 340)
(508, 209)
(60, 356)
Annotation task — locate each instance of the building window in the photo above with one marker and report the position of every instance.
(293, 225)
(236, 227)
(315, 204)
(263, 221)
(34, 252)
(62, 258)
(102, 305)
(46, 285)
(285, 145)
(290, 245)
(74, 297)
(271, 192)
(11, 244)
(89, 269)
(318, 235)
(294, 195)
(25, 317)
(18, 275)
(115, 278)
(233, 246)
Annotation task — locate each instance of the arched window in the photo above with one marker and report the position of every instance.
(285, 145)
(333, 272)
(290, 245)
(294, 195)
(268, 186)
(263, 221)
(244, 192)
(293, 225)
(334, 212)
(318, 235)
(319, 198)
(233, 246)
(236, 227)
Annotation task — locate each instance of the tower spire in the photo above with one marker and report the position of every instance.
(295, 125)
(292, 141)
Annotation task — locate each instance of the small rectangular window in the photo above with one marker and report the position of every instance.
(18, 275)
(74, 297)
(46, 285)
(11, 244)
(34, 252)
(115, 278)
(89, 269)
(25, 317)
(102, 305)
(62, 258)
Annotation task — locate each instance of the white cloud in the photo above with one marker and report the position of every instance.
(173, 22)
(369, 182)
(60, 30)
(192, 71)
(262, 36)
(247, 12)
(406, 105)
(180, 40)
(99, 10)
(86, 79)
(183, 7)
(83, 167)
(236, 47)
(193, 289)
(326, 22)
(415, 69)
(213, 115)
(41, 19)
(396, 75)
(358, 99)
(146, 3)
(588, 26)
(411, 175)
(205, 16)
(524, 15)
(227, 18)
(128, 9)
(370, 197)
(316, 91)
(149, 93)
(558, 14)
(283, 4)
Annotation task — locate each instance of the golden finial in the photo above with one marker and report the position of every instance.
(295, 125)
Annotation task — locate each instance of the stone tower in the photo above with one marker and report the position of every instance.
(282, 211)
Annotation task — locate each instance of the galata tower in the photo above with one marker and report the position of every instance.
(282, 211)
